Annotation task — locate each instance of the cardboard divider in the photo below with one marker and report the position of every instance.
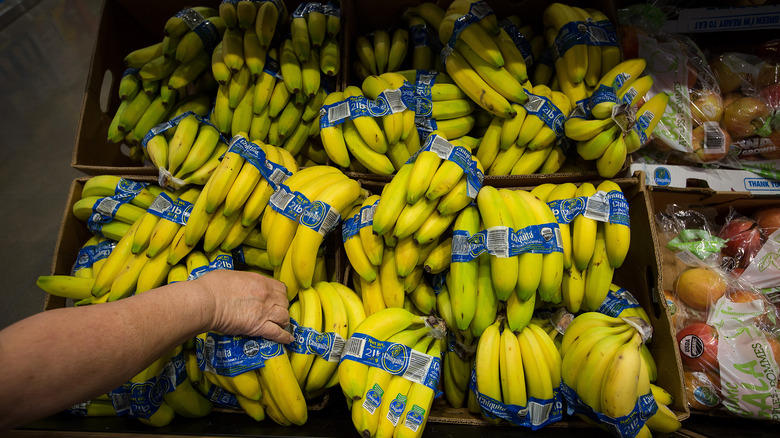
(126, 25)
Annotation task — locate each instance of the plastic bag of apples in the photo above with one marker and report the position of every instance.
(727, 326)
(723, 110)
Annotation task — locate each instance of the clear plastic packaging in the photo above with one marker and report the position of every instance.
(726, 324)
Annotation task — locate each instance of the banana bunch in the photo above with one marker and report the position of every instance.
(530, 142)
(513, 368)
(584, 43)
(620, 303)
(381, 51)
(468, 30)
(607, 379)
(78, 286)
(611, 124)
(158, 75)
(328, 310)
(185, 150)
(378, 132)
(314, 33)
(317, 198)
(390, 371)
(506, 249)
(593, 244)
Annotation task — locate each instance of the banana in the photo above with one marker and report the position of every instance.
(311, 317)
(412, 217)
(580, 345)
(375, 162)
(316, 22)
(265, 22)
(599, 273)
(300, 40)
(619, 388)
(381, 40)
(488, 375)
(583, 231)
(486, 300)
(550, 353)
(392, 201)
(552, 264)
(585, 321)
(129, 85)
(371, 295)
(433, 227)
(222, 116)
(132, 113)
(617, 236)
(529, 263)
(419, 400)
(664, 421)
(407, 254)
(496, 217)
(110, 185)
(398, 49)
(353, 306)
(157, 69)
(366, 55)
(137, 58)
(203, 147)
(595, 147)
(473, 36)
(66, 286)
(86, 207)
(463, 275)
(311, 184)
(537, 374)
(373, 244)
(609, 164)
(340, 196)
(367, 126)
(181, 143)
(496, 77)
(246, 12)
(647, 118)
(392, 285)
(593, 371)
(573, 288)
(513, 386)
(579, 129)
(284, 389)
(380, 325)
(330, 57)
(332, 136)
(233, 49)
(353, 246)
(188, 71)
(476, 88)
(335, 320)
(201, 175)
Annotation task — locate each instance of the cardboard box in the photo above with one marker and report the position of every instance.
(716, 205)
(125, 25)
(717, 180)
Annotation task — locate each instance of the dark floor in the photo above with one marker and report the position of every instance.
(45, 50)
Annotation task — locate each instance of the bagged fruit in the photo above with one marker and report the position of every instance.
(726, 325)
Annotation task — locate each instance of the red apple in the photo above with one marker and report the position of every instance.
(698, 344)
(743, 239)
(712, 147)
(706, 106)
(744, 116)
(728, 79)
(768, 219)
(700, 287)
(771, 95)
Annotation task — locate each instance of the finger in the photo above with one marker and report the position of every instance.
(278, 315)
(276, 333)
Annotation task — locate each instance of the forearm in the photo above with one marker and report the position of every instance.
(60, 357)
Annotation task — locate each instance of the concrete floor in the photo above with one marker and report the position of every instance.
(45, 53)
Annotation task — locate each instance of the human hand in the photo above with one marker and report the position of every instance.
(250, 304)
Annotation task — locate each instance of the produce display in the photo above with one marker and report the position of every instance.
(387, 195)
(725, 111)
(723, 292)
